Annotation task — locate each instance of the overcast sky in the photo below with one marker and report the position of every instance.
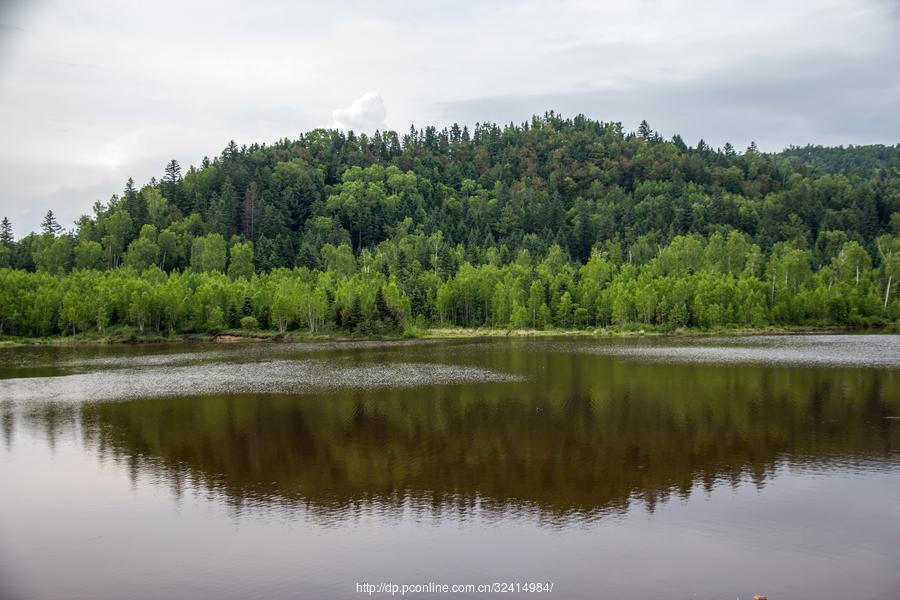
(93, 91)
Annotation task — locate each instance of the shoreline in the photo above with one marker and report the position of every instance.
(232, 336)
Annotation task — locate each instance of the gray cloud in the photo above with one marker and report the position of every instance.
(826, 98)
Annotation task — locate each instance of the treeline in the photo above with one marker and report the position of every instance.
(456, 227)
(408, 284)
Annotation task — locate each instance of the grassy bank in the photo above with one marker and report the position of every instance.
(128, 336)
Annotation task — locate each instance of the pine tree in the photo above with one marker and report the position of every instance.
(455, 134)
(384, 313)
(230, 207)
(248, 210)
(171, 181)
(134, 203)
(355, 317)
(49, 224)
(644, 131)
(6, 233)
(173, 172)
(231, 150)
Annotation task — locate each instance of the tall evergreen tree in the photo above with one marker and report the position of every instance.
(171, 183)
(173, 172)
(644, 131)
(49, 224)
(6, 233)
(248, 211)
(231, 150)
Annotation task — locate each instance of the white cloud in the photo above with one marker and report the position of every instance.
(366, 114)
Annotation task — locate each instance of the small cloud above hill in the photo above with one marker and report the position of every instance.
(366, 114)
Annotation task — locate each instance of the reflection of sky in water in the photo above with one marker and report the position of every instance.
(276, 377)
(818, 350)
(104, 536)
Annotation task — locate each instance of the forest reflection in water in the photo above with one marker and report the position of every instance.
(577, 435)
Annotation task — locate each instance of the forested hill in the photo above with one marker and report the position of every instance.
(554, 222)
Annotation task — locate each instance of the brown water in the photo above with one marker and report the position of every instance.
(713, 468)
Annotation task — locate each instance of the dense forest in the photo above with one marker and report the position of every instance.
(553, 223)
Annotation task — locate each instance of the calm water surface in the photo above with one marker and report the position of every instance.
(664, 468)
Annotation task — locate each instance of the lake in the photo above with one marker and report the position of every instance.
(609, 468)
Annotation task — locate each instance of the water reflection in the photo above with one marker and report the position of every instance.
(584, 435)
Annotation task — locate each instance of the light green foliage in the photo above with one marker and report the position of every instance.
(338, 260)
(535, 300)
(89, 255)
(116, 226)
(241, 261)
(686, 292)
(144, 251)
(208, 253)
(53, 254)
(171, 249)
(157, 207)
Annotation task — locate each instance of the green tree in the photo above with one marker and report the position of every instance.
(54, 254)
(49, 226)
(6, 233)
(89, 255)
(249, 324)
(241, 263)
(208, 253)
(170, 249)
(117, 225)
(535, 300)
(889, 251)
